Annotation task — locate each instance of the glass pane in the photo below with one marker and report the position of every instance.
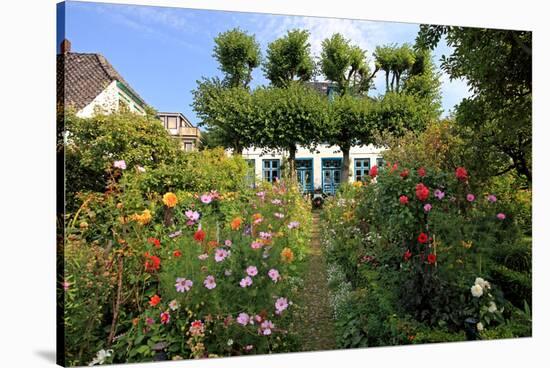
(275, 164)
(336, 176)
(266, 164)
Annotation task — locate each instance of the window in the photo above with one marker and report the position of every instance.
(188, 146)
(251, 173)
(271, 170)
(362, 167)
(379, 162)
(172, 122)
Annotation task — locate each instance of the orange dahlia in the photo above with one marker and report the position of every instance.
(170, 199)
(287, 255)
(236, 223)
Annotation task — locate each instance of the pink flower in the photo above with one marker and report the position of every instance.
(182, 285)
(251, 270)
(293, 224)
(404, 199)
(149, 321)
(427, 207)
(243, 319)
(192, 215)
(492, 198)
(210, 282)
(266, 327)
(274, 275)
(470, 197)
(197, 328)
(278, 215)
(203, 256)
(439, 194)
(280, 305)
(249, 347)
(228, 243)
(256, 245)
(247, 281)
(265, 235)
(66, 285)
(165, 317)
(261, 195)
(120, 164)
(220, 254)
(206, 198)
(276, 201)
(501, 216)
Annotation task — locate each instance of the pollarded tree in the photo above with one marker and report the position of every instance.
(237, 54)
(288, 117)
(289, 58)
(346, 65)
(394, 61)
(227, 112)
(352, 122)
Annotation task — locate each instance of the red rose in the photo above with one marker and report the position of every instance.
(431, 258)
(422, 192)
(404, 173)
(152, 263)
(403, 199)
(461, 174)
(407, 255)
(177, 253)
(421, 172)
(422, 238)
(373, 171)
(199, 235)
(154, 241)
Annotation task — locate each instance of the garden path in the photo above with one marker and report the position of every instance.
(316, 325)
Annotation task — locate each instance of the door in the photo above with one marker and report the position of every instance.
(331, 171)
(304, 174)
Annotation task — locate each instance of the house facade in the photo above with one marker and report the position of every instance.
(88, 83)
(320, 168)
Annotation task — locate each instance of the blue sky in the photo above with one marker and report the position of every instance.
(163, 51)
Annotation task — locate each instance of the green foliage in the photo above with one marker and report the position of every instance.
(93, 144)
(397, 113)
(289, 58)
(497, 118)
(394, 61)
(516, 285)
(237, 54)
(346, 65)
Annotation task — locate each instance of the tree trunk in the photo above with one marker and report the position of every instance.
(392, 81)
(238, 150)
(387, 81)
(292, 162)
(345, 164)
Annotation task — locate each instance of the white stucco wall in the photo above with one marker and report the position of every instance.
(322, 151)
(107, 101)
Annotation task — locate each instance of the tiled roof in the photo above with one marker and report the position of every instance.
(81, 77)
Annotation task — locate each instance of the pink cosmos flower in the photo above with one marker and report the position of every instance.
(276, 201)
(220, 254)
(470, 197)
(149, 321)
(492, 198)
(266, 327)
(279, 215)
(182, 285)
(256, 245)
(280, 305)
(274, 275)
(252, 271)
(210, 282)
(439, 194)
(203, 256)
(501, 216)
(120, 164)
(228, 243)
(261, 195)
(247, 281)
(193, 216)
(427, 207)
(265, 235)
(206, 198)
(243, 319)
(293, 224)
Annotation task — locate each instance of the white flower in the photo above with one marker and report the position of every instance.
(230, 342)
(484, 284)
(492, 307)
(101, 356)
(479, 326)
(477, 290)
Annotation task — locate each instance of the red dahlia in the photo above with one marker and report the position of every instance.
(404, 173)
(421, 172)
(461, 174)
(403, 199)
(422, 192)
(431, 258)
(422, 238)
(199, 235)
(373, 171)
(407, 255)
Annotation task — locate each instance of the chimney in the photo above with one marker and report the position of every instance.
(65, 46)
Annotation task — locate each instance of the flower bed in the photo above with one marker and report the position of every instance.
(415, 253)
(182, 274)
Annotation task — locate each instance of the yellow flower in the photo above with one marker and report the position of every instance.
(287, 255)
(348, 215)
(467, 245)
(144, 218)
(357, 184)
(170, 199)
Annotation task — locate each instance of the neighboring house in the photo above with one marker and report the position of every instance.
(181, 128)
(87, 82)
(320, 169)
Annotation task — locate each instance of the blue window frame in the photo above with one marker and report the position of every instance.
(380, 162)
(304, 174)
(271, 170)
(361, 168)
(251, 172)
